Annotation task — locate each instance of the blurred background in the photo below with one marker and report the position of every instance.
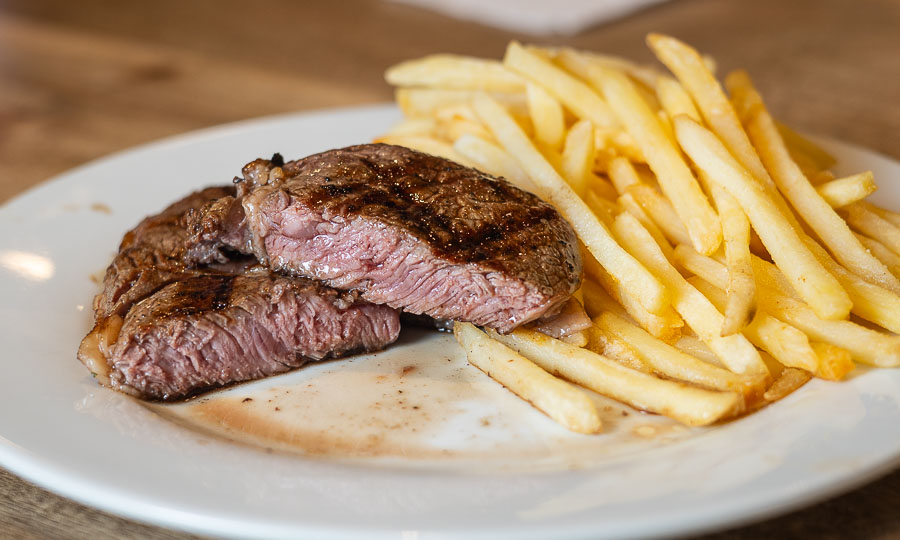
(79, 80)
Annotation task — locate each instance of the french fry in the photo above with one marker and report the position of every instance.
(674, 99)
(864, 219)
(735, 226)
(884, 213)
(637, 281)
(665, 326)
(698, 312)
(601, 186)
(786, 344)
(492, 159)
(801, 146)
(817, 213)
(622, 174)
(817, 177)
(864, 344)
(785, 384)
(690, 69)
(615, 348)
(572, 93)
(604, 209)
(557, 399)
(888, 257)
(870, 301)
(671, 362)
(675, 178)
(694, 346)
(447, 71)
(689, 405)
(655, 205)
(811, 280)
(578, 62)
(847, 190)
(741, 304)
(546, 115)
(630, 205)
(415, 126)
(427, 144)
(426, 102)
(578, 155)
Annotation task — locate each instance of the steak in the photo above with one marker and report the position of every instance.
(406, 229)
(164, 331)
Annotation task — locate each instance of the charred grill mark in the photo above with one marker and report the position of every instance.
(197, 295)
(404, 190)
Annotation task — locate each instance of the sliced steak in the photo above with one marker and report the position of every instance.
(163, 331)
(208, 331)
(405, 229)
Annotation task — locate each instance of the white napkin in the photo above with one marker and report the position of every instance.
(541, 17)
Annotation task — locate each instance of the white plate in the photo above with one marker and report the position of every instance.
(470, 461)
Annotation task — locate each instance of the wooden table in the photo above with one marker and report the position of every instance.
(79, 80)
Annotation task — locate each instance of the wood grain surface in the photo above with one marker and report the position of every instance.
(79, 80)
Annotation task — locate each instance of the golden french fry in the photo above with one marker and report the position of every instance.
(811, 280)
(675, 178)
(665, 326)
(604, 209)
(817, 213)
(546, 115)
(698, 312)
(884, 213)
(454, 72)
(888, 257)
(557, 399)
(689, 405)
(847, 190)
(786, 344)
(864, 344)
(578, 155)
(577, 339)
(787, 382)
(574, 94)
(622, 174)
(492, 159)
(630, 205)
(863, 218)
(639, 282)
(741, 304)
(616, 349)
(674, 99)
(414, 126)
(601, 186)
(660, 212)
(695, 347)
(870, 301)
(426, 144)
(688, 66)
(671, 362)
(801, 146)
(578, 62)
(427, 102)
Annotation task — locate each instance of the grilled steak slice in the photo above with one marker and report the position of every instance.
(208, 331)
(403, 228)
(164, 331)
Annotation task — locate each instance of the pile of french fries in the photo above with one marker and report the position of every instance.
(726, 265)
